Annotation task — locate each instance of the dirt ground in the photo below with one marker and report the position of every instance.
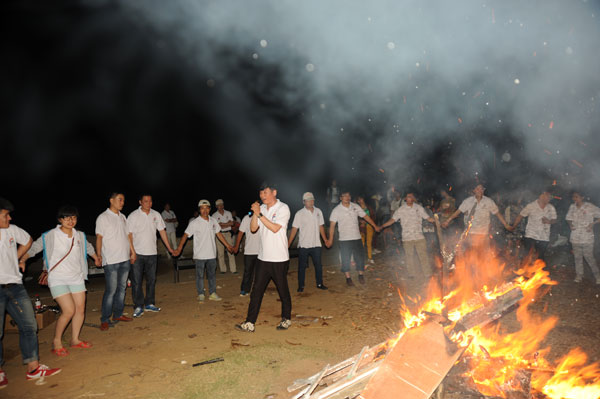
(152, 356)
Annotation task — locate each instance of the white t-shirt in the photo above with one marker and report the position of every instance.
(204, 232)
(347, 220)
(143, 228)
(115, 237)
(273, 247)
(308, 224)
(535, 228)
(171, 226)
(411, 219)
(581, 218)
(9, 262)
(224, 218)
(252, 242)
(68, 272)
(481, 220)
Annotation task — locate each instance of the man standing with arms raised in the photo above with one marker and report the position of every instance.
(346, 215)
(142, 224)
(309, 220)
(114, 247)
(270, 221)
(225, 220)
(14, 244)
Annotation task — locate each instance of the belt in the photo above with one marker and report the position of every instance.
(8, 285)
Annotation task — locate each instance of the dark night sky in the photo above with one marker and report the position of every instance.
(96, 96)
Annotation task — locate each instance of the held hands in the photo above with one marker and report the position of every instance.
(132, 258)
(98, 261)
(545, 220)
(22, 266)
(378, 229)
(445, 224)
(230, 249)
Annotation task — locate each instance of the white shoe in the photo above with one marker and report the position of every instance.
(245, 326)
(578, 279)
(371, 261)
(201, 298)
(214, 297)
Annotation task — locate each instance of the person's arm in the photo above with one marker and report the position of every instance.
(451, 218)
(323, 235)
(502, 220)
(553, 217)
(184, 238)
(21, 251)
(517, 221)
(372, 223)
(388, 223)
(331, 232)
(292, 236)
(254, 220)
(238, 241)
(163, 236)
(221, 238)
(99, 247)
(36, 247)
(132, 254)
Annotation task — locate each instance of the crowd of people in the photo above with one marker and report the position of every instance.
(126, 248)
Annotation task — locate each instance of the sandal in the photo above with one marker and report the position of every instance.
(60, 352)
(83, 345)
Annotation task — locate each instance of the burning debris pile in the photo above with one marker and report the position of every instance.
(451, 349)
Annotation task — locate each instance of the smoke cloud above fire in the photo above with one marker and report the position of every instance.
(506, 88)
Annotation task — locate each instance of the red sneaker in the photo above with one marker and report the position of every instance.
(3, 379)
(103, 326)
(123, 318)
(42, 371)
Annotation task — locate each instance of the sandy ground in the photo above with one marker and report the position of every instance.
(152, 356)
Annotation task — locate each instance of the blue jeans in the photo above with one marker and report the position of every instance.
(349, 248)
(211, 268)
(113, 301)
(15, 301)
(315, 254)
(145, 264)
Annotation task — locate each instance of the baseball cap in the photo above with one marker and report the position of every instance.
(219, 202)
(308, 196)
(203, 202)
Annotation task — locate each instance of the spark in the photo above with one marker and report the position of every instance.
(459, 120)
(577, 163)
(551, 125)
(547, 152)
(263, 43)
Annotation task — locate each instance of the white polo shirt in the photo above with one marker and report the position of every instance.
(273, 247)
(252, 242)
(9, 262)
(171, 226)
(115, 237)
(481, 220)
(581, 218)
(347, 220)
(143, 228)
(224, 218)
(535, 228)
(411, 219)
(308, 224)
(204, 232)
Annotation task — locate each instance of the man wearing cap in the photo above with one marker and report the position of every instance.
(225, 220)
(346, 215)
(204, 229)
(309, 220)
(270, 221)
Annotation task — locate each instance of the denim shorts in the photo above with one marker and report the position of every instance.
(59, 290)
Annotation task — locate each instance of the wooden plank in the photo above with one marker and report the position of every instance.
(415, 366)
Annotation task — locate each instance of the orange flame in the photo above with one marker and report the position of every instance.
(497, 358)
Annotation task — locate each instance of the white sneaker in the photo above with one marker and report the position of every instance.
(214, 297)
(284, 324)
(201, 298)
(371, 261)
(245, 326)
(578, 279)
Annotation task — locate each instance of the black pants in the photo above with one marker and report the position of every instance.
(538, 247)
(250, 262)
(264, 273)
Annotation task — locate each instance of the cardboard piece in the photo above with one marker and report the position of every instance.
(415, 366)
(43, 320)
